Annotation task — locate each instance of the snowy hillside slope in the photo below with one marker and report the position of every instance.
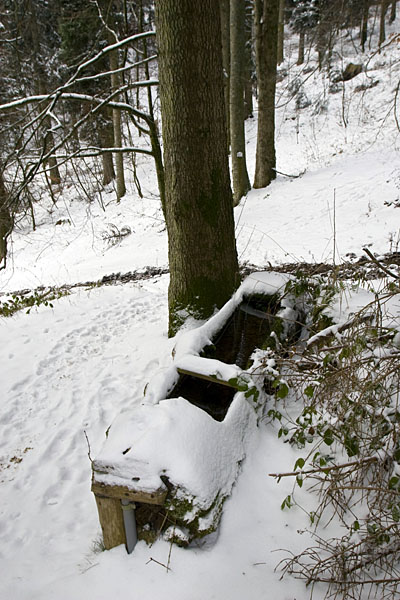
(344, 144)
(68, 370)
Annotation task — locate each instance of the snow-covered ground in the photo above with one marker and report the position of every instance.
(70, 369)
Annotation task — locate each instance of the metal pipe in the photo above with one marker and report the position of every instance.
(128, 511)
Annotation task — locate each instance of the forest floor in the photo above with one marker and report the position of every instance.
(69, 368)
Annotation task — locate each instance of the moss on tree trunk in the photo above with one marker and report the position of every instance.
(198, 197)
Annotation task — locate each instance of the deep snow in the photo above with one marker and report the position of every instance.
(71, 369)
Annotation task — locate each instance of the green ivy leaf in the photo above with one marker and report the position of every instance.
(287, 503)
(371, 528)
(275, 414)
(351, 445)
(345, 353)
(396, 513)
(282, 391)
(328, 437)
(327, 359)
(309, 391)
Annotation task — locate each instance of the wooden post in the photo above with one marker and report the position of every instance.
(108, 500)
(111, 521)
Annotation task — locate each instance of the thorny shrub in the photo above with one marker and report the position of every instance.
(337, 402)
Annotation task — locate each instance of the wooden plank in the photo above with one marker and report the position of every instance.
(254, 312)
(120, 492)
(111, 521)
(206, 377)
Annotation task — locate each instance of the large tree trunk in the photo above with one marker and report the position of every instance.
(240, 178)
(266, 24)
(199, 214)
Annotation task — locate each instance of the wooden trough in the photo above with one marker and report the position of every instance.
(247, 327)
(150, 514)
(109, 500)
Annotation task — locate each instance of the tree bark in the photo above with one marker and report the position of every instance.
(281, 30)
(226, 59)
(393, 12)
(382, 33)
(42, 88)
(300, 56)
(322, 39)
(106, 138)
(117, 127)
(240, 178)
(199, 214)
(6, 221)
(266, 26)
(248, 80)
(364, 24)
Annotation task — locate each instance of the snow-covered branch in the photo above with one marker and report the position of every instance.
(115, 71)
(109, 49)
(83, 98)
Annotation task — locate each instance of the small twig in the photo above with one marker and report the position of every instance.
(159, 563)
(366, 488)
(169, 553)
(334, 329)
(349, 582)
(292, 176)
(160, 528)
(325, 469)
(90, 567)
(380, 265)
(395, 106)
(88, 444)
(334, 217)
